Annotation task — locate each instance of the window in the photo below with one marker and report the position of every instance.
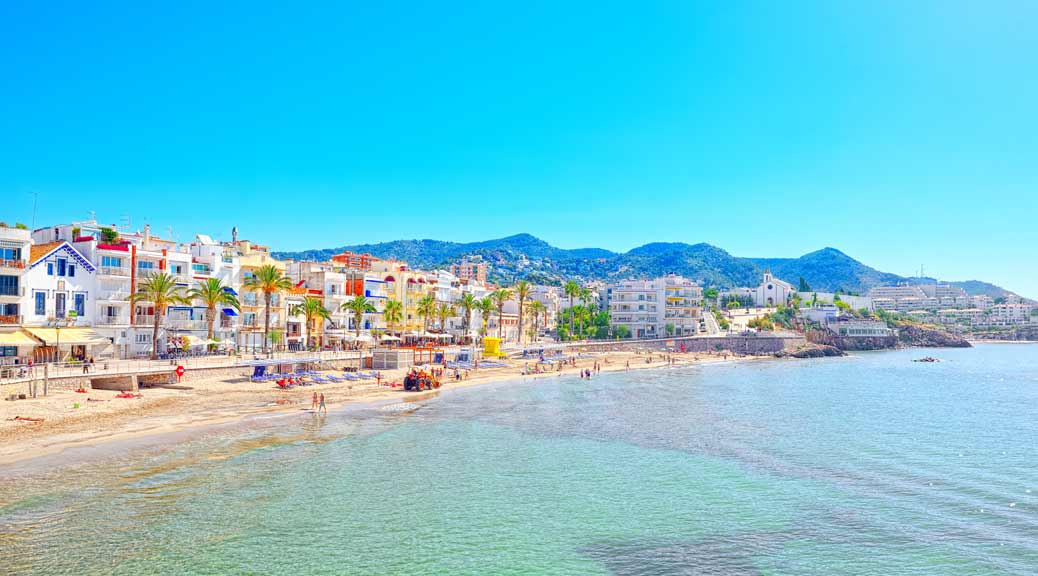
(59, 305)
(41, 303)
(62, 265)
(143, 338)
(8, 310)
(50, 268)
(111, 261)
(8, 286)
(71, 269)
(145, 265)
(8, 350)
(10, 253)
(80, 302)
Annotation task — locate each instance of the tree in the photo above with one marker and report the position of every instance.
(310, 309)
(161, 290)
(212, 293)
(270, 281)
(486, 308)
(444, 311)
(358, 306)
(500, 297)
(393, 313)
(586, 298)
(621, 331)
(804, 286)
(537, 309)
(732, 306)
(109, 235)
(468, 304)
(669, 329)
(571, 289)
(426, 309)
(710, 294)
(522, 291)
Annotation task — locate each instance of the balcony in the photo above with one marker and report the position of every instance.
(9, 319)
(180, 324)
(113, 295)
(114, 271)
(13, 264)
(13, 292)
(144, 319)
(112, 321)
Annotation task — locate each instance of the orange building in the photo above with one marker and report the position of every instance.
(354, 261)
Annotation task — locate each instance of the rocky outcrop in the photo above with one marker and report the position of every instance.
(924, 336)
(816, 351)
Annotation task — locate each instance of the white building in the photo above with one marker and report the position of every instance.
(772, 291)
(15, 345)
(670, 305)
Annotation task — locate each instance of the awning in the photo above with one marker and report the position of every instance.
(18, 338)
(67, 336)
(229, 312)
(230, 290)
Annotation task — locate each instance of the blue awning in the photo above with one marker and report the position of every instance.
(229, 312)
(229, 290)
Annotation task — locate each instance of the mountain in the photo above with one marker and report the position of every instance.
(529, 257)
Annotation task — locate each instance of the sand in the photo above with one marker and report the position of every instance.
(76, 419)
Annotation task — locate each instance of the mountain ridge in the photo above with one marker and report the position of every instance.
(527, 256)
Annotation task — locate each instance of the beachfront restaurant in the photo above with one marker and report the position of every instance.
(62, 344)
(15, 351)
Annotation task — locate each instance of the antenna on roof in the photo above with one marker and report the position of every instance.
(35, 198)
(126, 219)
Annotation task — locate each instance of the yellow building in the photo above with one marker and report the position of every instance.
(252, 257)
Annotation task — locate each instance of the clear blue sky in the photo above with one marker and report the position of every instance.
(903, 133)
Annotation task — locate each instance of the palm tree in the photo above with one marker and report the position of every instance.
(500, 297)
(571, 289)
(359, 306)
(585, 299)
(468, 303)
(486, 307)
(161, 290)
(393, 313)
(536, 310)
(522, 290)
(213, 293)
(426, 308)
(311, 309)
(443, 312)
(270, 281)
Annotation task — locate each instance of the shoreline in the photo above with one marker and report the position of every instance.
(215, 402)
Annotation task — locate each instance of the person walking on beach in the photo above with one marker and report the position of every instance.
(322, 407)
(627, 368)
(313, 402)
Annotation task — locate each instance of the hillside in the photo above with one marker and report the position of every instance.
(526, 256)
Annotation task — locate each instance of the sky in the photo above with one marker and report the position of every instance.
(902, 133)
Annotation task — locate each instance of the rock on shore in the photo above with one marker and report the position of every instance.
(915, 335)
(815, 351)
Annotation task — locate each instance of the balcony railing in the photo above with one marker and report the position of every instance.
(118, 295)
(114, 270)
(10, 319)
(13, 292)
(148, 319)
(16, 264)
(112, 321)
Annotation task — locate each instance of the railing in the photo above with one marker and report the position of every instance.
(112, 321)
(144, 319)
(10, 319)
(17, 264)
(15, 293)
(175, 324)
(114, 270)
(113, 295)
(10, 374)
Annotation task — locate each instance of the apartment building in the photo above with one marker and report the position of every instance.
(468, 270)
(648, 307)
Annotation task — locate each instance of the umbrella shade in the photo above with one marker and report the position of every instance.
(365, 338)
(388, 338)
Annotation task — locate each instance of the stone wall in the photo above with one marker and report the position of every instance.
(752, 344)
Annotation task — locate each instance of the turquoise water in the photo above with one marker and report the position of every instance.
(870, 464)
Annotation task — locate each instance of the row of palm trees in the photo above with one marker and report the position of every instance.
(162, 291)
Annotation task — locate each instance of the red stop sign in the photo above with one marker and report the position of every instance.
(180, 371)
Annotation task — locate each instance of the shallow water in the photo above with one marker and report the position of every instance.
(870, 464)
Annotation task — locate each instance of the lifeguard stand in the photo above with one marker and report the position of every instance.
(492, 347)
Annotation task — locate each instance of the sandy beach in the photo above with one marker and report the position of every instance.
(71, 419)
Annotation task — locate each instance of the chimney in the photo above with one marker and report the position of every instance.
(147, 237)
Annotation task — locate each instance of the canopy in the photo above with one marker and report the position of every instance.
(365, 338)
(192, 340)
(430, 335)
(444, 336)
(388, 338)
(18, 338)
(67, 336)
(229, 312)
